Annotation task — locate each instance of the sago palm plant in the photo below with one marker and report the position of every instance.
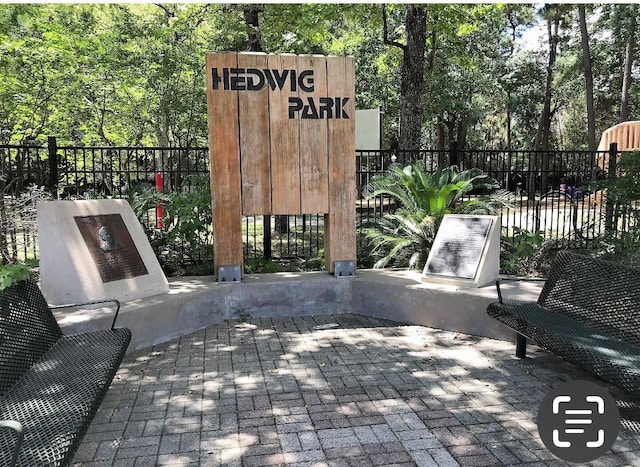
(406, 235)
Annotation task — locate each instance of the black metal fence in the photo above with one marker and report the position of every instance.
(550, 189)
(97, 172)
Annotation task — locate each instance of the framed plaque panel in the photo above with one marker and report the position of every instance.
(93, 250)
(466, 251)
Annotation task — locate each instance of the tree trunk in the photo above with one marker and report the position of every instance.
(544, 127)
(628, 64)
(588, 78)
(251, 20)
(442, 155)
(412, 75)
(412, 86)
(462, 132)
(509, 120)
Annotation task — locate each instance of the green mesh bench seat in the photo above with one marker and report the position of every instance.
(51, 384)
(588, 313)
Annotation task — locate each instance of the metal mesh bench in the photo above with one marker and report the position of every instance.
(588, 313)
(51, 384)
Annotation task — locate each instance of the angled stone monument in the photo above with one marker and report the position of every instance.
(465, 252)
(93, 250)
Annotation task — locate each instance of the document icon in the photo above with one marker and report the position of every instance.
(578, 421)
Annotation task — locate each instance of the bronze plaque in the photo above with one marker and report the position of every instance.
(111, 246)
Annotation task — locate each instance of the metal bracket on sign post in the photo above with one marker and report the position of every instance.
(344, 268)
(229, 273)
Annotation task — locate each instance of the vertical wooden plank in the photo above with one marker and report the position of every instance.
(285, 162)
(314, 177)
(254, 137)
(340, 243)
(224, 153)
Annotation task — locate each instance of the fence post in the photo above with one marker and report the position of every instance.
(609, 205)
(266, 236)
(160, 205)
(52, 147)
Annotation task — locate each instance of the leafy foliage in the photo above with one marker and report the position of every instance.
(11, 273)
(621, 242)
(525, 242)
(625, 187)
(519, 254)
(129, 74)
(186, 236)
(405, 236)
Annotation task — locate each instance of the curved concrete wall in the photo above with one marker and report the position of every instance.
(194, 303)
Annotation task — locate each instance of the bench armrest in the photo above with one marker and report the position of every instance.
(17, 427)
(98, 302)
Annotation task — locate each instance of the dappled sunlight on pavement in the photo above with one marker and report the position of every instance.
(338, 390)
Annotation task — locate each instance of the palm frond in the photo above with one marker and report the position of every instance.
(423, 199)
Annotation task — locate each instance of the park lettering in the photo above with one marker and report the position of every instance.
(255, 79)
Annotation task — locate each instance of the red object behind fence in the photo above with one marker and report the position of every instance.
(160, 205)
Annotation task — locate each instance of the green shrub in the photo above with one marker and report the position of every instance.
(621, 240)
(405, 236)
(519, 255)
(11, 273)
(184, 244)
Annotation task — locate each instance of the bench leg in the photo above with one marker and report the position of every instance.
(521, 346)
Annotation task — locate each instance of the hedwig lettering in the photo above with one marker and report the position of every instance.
(255, 79)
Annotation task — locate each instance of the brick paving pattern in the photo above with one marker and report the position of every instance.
(369, 392)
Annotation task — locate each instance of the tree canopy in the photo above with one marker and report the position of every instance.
(120, 74)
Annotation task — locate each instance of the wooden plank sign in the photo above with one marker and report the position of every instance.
(285, 142)
(253, 113)
(282, 141)
(314, 183)
(224, 151)
(340, 239)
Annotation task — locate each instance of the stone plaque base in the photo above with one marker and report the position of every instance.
(465, 252)
(95, 249)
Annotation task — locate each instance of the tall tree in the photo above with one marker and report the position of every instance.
(461, 76)
(628, 62)
(544, 126)
(553, 15)
(412, 74)
(588, 78)
(251, 19)
(134, 74)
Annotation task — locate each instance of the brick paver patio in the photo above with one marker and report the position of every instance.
(302, 391)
